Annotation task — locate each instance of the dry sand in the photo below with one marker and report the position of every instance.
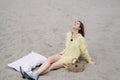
(41, 25)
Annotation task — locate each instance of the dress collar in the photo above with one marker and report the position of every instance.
(76, 35)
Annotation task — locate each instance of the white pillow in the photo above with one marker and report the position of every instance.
(28, 62)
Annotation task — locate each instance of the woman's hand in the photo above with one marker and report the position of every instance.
(93, 62)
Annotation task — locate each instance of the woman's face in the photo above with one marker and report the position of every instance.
(76, 25)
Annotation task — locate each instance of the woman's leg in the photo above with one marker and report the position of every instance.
(55, 65)
(34, 75)
(49, 61)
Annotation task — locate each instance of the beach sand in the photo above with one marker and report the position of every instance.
(41, 26)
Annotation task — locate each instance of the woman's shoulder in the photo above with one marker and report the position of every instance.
(81, 37)
(69, 33)
(83, 40)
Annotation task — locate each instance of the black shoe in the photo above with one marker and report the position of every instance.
(22, 73)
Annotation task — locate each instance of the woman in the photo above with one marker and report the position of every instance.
(75, 46)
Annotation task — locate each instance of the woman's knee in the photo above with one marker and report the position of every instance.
(53, 58)
(50, 60)
(56, 65)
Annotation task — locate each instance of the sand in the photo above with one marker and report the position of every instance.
(41, 26)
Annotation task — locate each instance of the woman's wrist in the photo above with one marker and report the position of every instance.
(93, 62)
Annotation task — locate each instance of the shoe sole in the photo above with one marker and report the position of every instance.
(21, 71)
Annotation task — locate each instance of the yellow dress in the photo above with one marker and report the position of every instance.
(74, 49)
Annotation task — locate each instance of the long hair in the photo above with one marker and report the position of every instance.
(81, 31)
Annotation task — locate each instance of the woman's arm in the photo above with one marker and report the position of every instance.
(62, 52)
(67, 42)
(84, 51)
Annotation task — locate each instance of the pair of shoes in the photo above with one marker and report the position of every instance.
(29, 75)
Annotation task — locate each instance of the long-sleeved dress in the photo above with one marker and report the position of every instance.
(74, 49)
